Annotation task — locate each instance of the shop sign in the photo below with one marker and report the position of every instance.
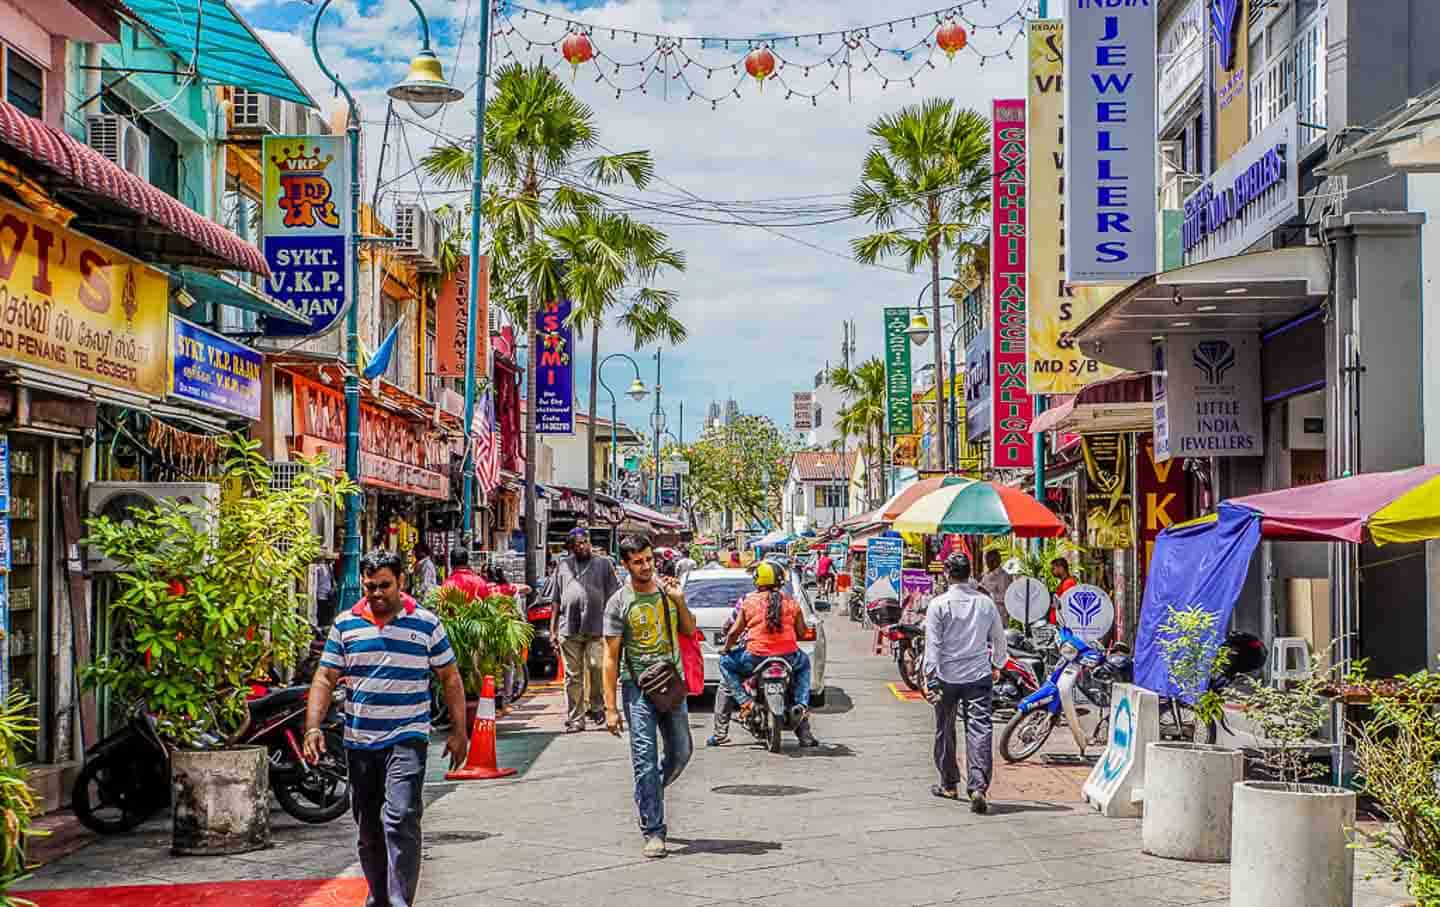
(1013, 410)
(1108, 506)
(1182, 54)
(306, 228)
(1087, 611)
(452, 312)
(1053, 307)
(74, 307)
(905, 451)
(1160, 489)
(804, 408)
(555, 375)
(916, 586)
(1230, 31)
(900, 419)
(670, 491)
(882, 568)
(214, 371)
(979, 387)
(1248, 197)
(1110, 129)
(4, 473)
(1208, 397)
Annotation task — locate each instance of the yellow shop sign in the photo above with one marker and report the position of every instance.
(71, 305)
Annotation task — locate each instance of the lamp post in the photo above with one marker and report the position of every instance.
(657, 422)
(637, 393)
(426, 91)
(918, 331)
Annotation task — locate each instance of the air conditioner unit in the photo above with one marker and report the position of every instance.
(253, 112)
(495, 320)
(117, 500)
(418, 234)
(120, 141)
(322, 513)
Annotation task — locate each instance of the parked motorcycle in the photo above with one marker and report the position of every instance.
(1080, 680)
(1020, 675)
(907, 647)
(126, 777)
(775, 711)
(544, 649)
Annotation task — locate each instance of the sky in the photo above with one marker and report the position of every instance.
(763, 310)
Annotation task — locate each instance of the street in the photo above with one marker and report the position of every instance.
(850, 823)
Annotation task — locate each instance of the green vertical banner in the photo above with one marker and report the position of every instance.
(897, 372)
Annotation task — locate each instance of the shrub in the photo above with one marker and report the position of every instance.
(17, 801)
(1190, 645)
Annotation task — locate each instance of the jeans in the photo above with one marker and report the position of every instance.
(652, 772)
(972, 702)
(386, 798)
(584, 681)
(739, 664)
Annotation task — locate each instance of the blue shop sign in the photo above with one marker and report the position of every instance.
(214, 371)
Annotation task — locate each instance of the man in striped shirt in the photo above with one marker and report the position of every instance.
(385, 649)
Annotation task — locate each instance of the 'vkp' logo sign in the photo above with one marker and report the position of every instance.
(1085, 605)
(1214, 358)
(1225, 26)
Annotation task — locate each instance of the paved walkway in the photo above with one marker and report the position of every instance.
(849, 823)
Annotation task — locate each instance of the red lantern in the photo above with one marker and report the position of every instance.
(952, 38)
(760, 63)
(576, 49)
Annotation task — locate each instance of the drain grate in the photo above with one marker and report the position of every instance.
(761, 790)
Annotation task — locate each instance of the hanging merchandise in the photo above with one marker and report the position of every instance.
(188, 454)
(807, 65)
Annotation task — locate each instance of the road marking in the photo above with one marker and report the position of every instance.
(906, 695)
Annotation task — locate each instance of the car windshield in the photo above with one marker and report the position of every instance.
(716, 592)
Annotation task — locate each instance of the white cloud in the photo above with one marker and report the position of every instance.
(764, 312)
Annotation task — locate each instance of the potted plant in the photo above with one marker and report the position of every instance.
(1188, 786)
(1396, 752)
(489, 635)
(208, 602)
(1288, 842)
(17, 801)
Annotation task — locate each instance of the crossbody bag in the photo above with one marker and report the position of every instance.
(661, 683)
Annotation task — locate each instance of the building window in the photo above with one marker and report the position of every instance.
(432, 383)
(1310, 71)
(24, 84)
(389, 314)
(831, 496)
(797, 506)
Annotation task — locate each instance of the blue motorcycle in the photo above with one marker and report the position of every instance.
(1080, 680)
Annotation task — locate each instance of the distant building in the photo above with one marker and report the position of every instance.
(816, 494)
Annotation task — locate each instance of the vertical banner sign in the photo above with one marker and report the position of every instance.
(306, 226)
(979, 387)
(1010, 444)
(555, 375)
(1110, 152)
(1230, 31)
(452, 311)
(1053, 308)
(1160, 490)
(882, 568)
(1108, 507)
(804, 406)
(897, 372)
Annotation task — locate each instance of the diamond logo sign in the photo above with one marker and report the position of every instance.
(1214, 358)
(1088, 612)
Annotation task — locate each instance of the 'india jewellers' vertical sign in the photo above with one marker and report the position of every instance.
(1010, 443)
(1110, 179)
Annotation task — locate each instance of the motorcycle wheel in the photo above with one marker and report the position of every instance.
(1025, 734)
(109, 799)
(521, 686)
(319, 793)
(909, 664)
(772, 742)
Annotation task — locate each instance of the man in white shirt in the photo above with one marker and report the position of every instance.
(964, 641)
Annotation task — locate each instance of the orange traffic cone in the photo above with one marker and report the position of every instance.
(480, 764)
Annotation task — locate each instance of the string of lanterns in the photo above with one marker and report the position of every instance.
(804, 66)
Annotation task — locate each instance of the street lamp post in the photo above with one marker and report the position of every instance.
(657, 422)
(425, 90)
(637, 393)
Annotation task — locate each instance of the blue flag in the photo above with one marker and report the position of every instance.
(380, 362)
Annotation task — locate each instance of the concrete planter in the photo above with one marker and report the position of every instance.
(1289, 845)
(222, 801)
(1189, 788)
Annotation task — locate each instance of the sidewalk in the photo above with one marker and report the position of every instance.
(851, 823)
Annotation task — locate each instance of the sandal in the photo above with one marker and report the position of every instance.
(717, 740)
(944, 793)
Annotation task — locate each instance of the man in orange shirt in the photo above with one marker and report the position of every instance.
(772, 624)
(1060, 569)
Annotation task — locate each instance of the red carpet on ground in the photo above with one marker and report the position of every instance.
(284, 893)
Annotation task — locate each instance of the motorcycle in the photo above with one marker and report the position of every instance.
(126, 777)
(1083, 673)
(907, 647)
(774, 711)
(544, 657)
(1020, 675)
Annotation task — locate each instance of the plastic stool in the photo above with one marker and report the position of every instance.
(1288, 650)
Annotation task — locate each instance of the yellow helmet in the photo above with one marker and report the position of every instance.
(769, 574)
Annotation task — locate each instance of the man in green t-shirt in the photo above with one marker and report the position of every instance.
(643, 624)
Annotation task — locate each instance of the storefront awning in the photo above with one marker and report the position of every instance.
(1239, 294)
(116, 206)
(224, 49)
(1380, 507)
(653, 517)
(223, 289)
(1122, 403)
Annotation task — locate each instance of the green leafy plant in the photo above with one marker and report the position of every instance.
(488, 634)
(1190, 645)
(1290, 717)
(1396, 753)
(209, 601)
(17, 801)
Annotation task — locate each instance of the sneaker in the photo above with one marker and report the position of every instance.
(978, 803)
(597, 716)
(654, 847)
(944, 793)
(572, 727)
(717, 740)
(807, 740)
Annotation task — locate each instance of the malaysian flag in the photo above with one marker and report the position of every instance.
(487, 447)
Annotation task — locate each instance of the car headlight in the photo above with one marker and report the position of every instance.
(1068, 651)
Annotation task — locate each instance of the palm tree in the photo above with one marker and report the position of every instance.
(536, 134)
(864, 414)
(928, 167)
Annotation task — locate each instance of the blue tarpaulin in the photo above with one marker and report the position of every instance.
(1200, 565)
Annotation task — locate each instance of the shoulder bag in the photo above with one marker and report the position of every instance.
(661, 683)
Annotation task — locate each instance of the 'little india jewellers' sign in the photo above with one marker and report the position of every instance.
(1250, 195)
(1207, 400)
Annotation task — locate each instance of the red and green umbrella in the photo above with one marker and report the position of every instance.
(972, 507)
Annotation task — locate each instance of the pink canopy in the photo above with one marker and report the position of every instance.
(1392, 506)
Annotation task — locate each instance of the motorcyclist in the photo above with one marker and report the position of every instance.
(772, 624)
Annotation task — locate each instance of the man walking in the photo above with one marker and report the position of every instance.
(583, 582)
(995, 582)
(643, 625)
(427, 577)
(385, 649)
(964, 637)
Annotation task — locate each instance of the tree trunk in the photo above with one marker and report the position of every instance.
(939, 346)
(590, 447)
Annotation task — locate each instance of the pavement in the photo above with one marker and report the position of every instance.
(850, 823)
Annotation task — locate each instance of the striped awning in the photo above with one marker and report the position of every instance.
(116, 206)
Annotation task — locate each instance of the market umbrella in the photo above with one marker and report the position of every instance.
(973, 507)
(1380, 507)
(901, 500)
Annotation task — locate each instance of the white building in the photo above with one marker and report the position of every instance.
(816, 494)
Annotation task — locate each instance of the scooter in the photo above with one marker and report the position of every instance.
(907, 647)
(1083, 673)
(774, 711)
(544, 651)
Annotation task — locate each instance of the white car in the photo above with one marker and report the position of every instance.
(711, 593)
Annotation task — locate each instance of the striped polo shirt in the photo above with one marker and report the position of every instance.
(387, 673)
